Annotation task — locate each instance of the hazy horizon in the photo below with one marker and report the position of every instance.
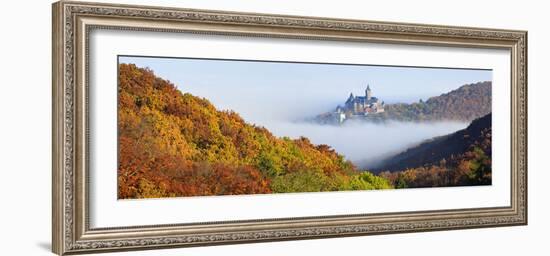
(275, 95)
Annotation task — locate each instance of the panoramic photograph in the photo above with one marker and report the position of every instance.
(212, 127)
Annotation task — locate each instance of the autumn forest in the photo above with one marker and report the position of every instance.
(175, 144)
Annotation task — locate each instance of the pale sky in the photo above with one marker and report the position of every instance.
(297, 90)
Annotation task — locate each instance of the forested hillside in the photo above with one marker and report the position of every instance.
(463, 104)
(175, 144)
(461, 158)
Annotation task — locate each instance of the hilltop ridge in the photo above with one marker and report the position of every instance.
(465, 104)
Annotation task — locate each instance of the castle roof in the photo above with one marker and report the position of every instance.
(363, 99)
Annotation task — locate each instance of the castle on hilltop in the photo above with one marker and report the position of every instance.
(359, 106)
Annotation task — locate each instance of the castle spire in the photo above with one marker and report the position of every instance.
(368, 93)
(350, 98)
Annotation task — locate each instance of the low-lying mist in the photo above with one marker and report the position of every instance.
(281, 95)
(365, 144)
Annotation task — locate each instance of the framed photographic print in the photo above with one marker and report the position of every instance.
(179, 127)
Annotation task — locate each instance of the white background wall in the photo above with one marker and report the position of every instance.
(25, 116)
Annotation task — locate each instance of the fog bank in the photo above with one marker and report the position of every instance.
(277, 95)
(366, 144)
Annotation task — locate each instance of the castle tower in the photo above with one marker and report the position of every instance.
(368, 93)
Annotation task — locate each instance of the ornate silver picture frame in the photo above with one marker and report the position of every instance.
(72, 209)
